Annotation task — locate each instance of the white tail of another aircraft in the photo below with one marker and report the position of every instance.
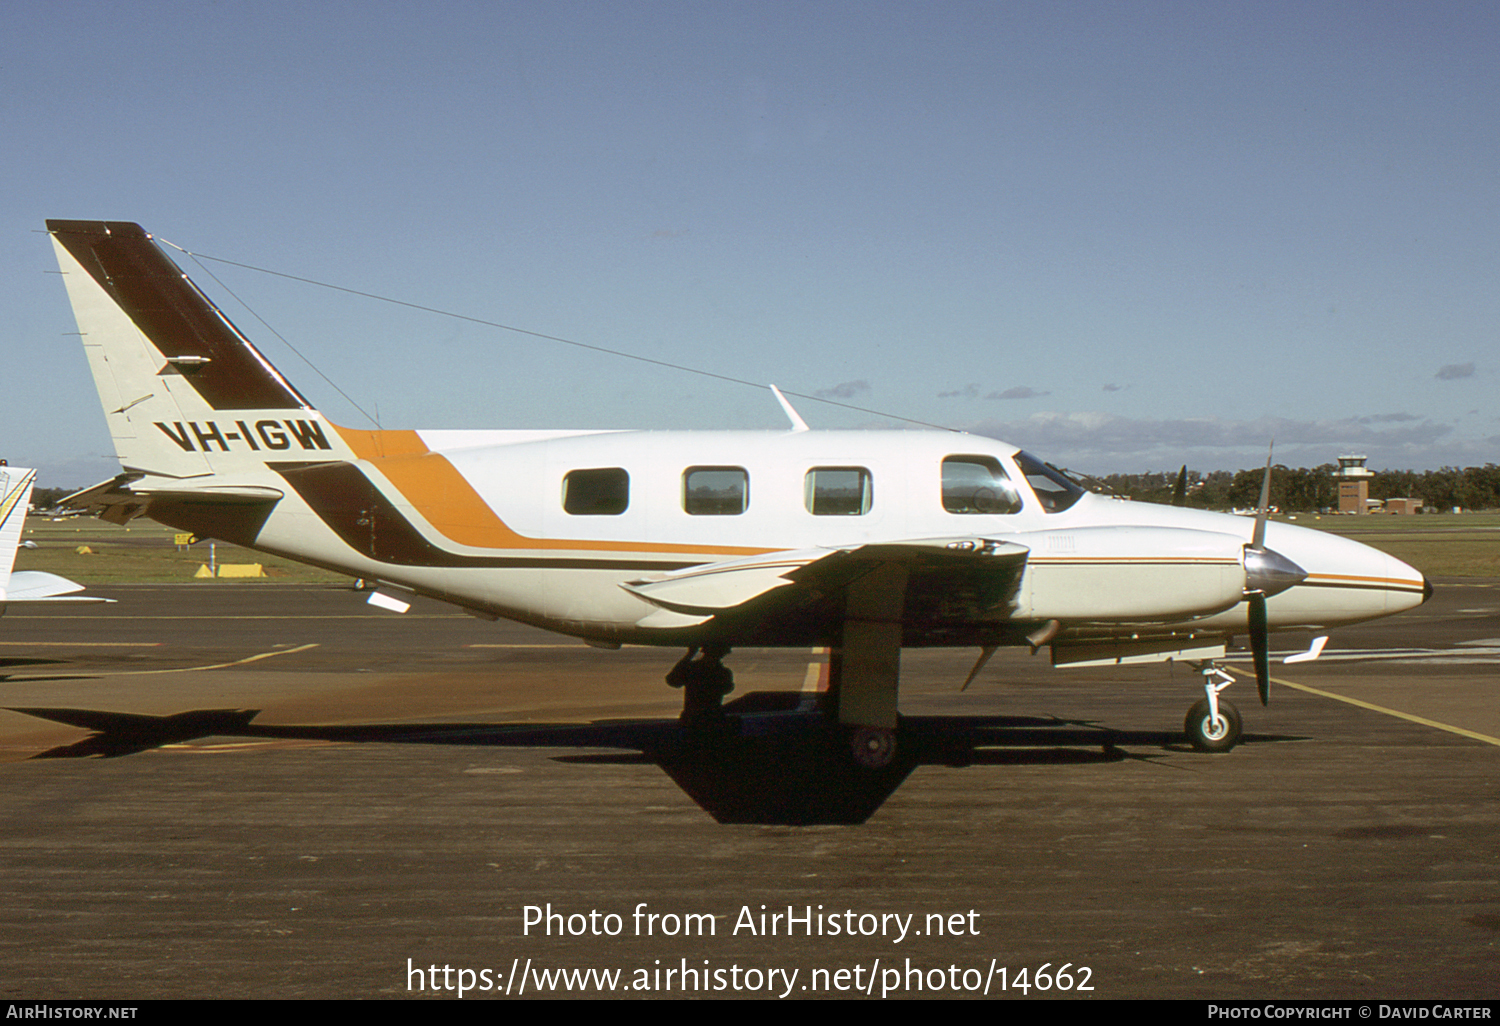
(15, 495)
(23, 585)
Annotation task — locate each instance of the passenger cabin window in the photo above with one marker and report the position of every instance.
(1054, 489)
(715, 491)
(600, 492)
(837, 491)
(978, 484)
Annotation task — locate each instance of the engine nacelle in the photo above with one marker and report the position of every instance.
(1143, 574)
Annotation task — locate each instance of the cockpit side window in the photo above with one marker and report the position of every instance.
(1054, 489)
(978, 484)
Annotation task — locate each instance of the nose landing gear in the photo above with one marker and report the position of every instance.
(1213, 724)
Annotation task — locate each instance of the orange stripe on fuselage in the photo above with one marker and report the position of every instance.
(436, 489)
(378, 445)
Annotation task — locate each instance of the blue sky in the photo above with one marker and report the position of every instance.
(1122, 235)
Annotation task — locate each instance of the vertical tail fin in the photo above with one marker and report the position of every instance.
(184, 392)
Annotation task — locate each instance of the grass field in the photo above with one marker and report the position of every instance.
(1446, 545)
(1461, 545)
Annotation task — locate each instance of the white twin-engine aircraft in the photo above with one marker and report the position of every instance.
(862, 541)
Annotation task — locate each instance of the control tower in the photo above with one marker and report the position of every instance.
(1354, 484)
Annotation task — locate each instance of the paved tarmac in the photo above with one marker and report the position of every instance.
(277, 791)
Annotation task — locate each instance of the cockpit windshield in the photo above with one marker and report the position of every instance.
(1054, 489)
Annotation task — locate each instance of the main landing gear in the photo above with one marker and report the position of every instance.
(704, 680)
(1213, 724)
(872, 747)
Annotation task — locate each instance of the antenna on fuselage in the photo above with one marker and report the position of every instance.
(798, 424)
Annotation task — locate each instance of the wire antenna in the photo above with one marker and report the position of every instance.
(301, 355)
(199, 257)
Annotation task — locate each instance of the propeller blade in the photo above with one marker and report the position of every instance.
(1260, 645)
(1179, 493)
(1263, 509)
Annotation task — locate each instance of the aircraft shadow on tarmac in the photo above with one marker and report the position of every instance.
(773, 758)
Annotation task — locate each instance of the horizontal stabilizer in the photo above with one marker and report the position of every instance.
(126, 496)
(40, 586)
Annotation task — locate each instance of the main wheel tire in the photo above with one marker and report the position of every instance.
(872, 747)
(1209, 735)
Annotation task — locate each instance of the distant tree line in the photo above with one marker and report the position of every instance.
(46, 498)
(1299, 490)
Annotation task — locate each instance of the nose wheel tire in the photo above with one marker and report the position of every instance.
(1212, 735)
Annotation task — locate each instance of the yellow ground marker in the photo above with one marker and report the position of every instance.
(241, 570)
(817, 672)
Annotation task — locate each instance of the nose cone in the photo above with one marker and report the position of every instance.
(1405, 586)
(1397, 585)
(1346, 581)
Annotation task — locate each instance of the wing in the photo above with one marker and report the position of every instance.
(945, 582)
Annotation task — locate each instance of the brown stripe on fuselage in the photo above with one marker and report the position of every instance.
(356, 510)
